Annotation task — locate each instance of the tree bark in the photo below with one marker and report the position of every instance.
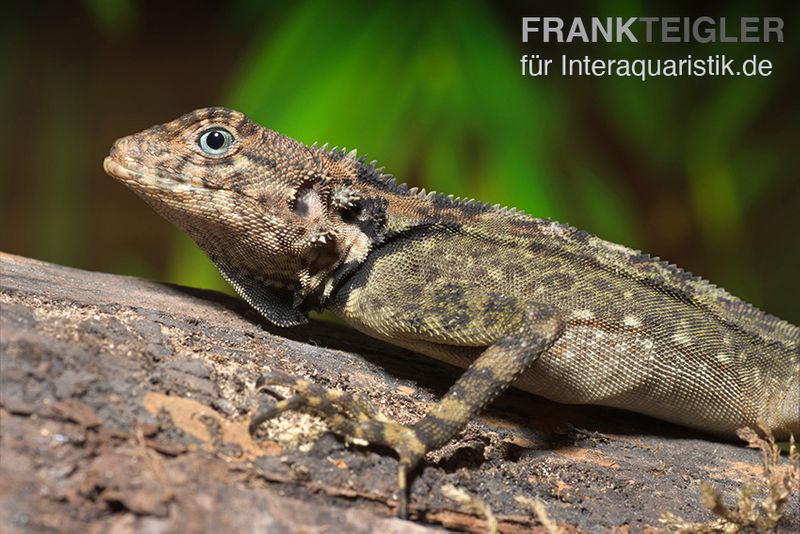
(125, 405)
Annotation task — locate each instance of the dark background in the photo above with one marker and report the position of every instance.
(700, 171)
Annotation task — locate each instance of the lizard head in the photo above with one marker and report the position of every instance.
(261, 205)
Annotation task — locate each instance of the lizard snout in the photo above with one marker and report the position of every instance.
(126, 147)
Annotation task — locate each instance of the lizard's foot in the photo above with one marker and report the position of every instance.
(327, 403)
(347, 415)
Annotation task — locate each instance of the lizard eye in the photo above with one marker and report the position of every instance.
(215, 141)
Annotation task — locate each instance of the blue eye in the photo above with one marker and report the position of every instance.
(215, 141)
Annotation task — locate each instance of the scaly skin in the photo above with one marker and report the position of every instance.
(516, 300)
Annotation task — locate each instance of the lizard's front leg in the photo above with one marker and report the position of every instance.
(532, 329)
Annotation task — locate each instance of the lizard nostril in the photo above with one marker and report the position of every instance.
(127, 146)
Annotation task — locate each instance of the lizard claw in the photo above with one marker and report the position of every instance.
(277, 378)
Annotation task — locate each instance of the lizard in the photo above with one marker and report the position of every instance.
(513, 299)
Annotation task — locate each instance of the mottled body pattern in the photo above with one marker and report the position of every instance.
(517, 300)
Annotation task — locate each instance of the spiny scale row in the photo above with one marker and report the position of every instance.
(373, 174)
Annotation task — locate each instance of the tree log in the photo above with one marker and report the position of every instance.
(125, 405)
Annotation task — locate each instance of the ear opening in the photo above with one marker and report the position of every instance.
(309, 202)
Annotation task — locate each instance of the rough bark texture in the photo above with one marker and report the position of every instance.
(125, 405)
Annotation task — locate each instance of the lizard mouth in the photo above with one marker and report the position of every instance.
(146, 178)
